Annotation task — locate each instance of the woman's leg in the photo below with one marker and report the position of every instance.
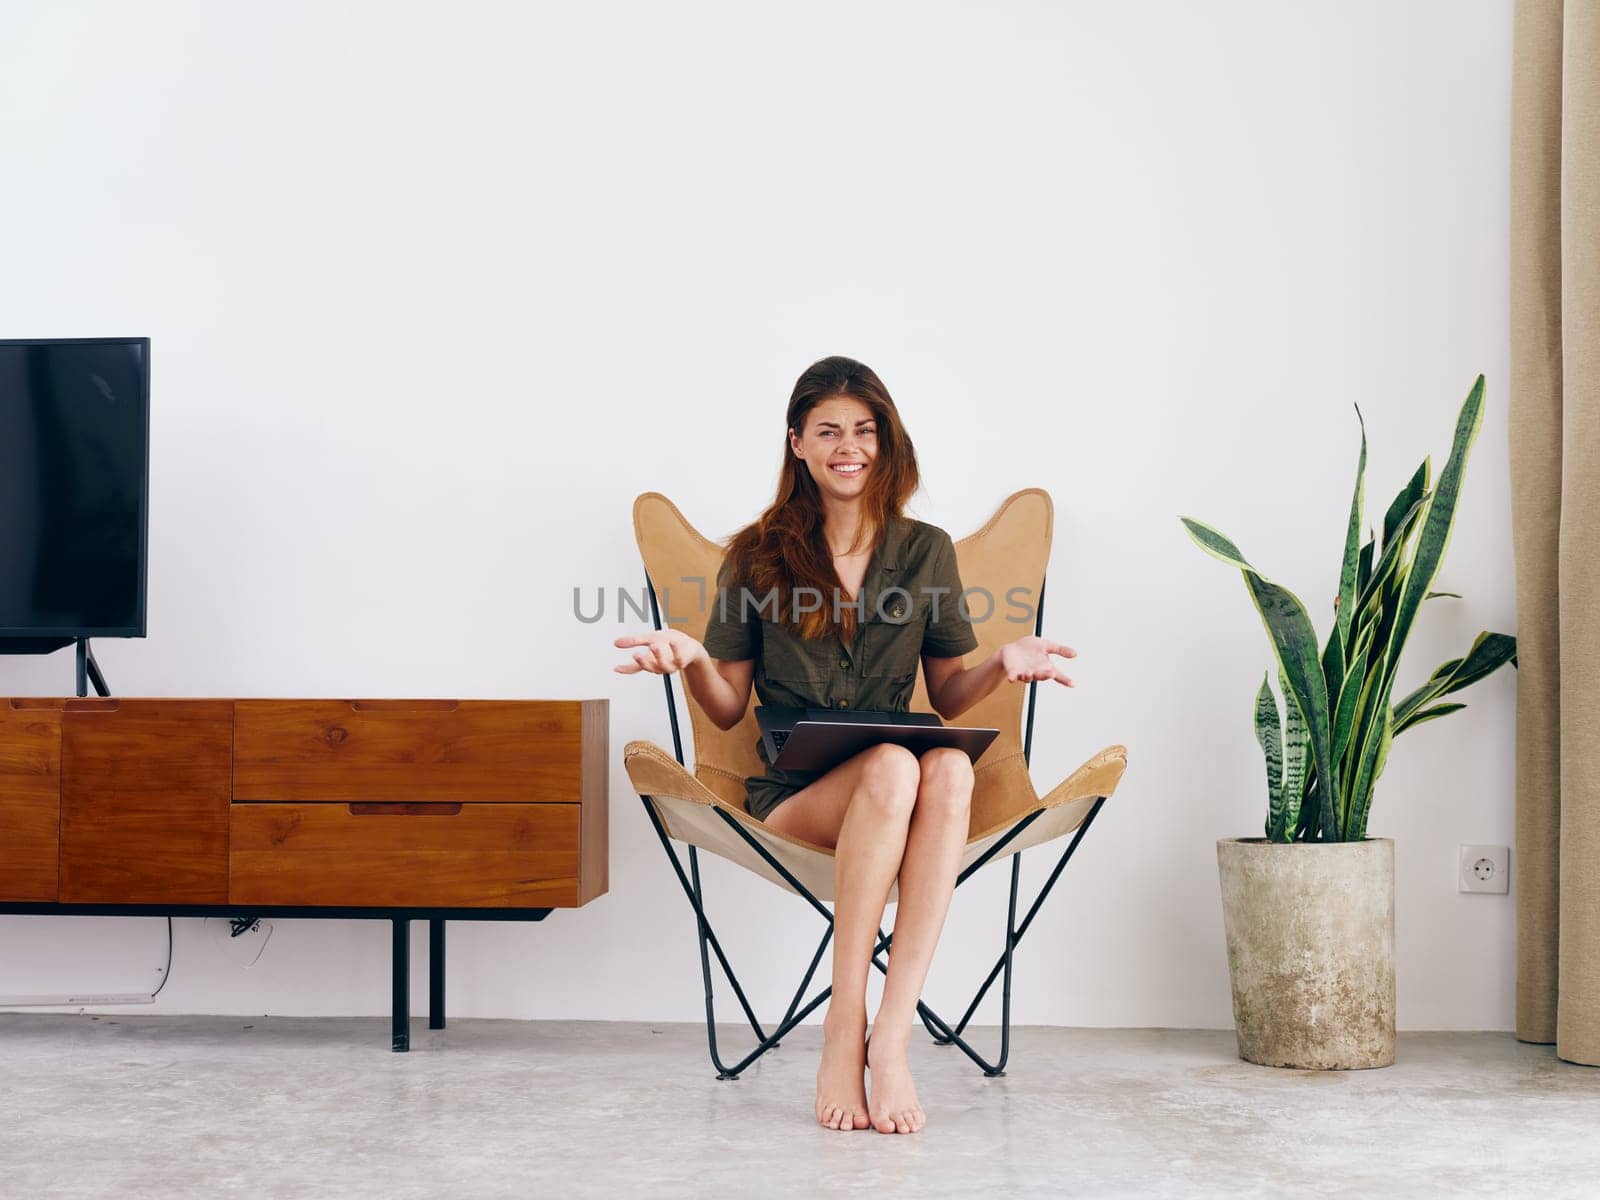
(934, 842)
(862, 809)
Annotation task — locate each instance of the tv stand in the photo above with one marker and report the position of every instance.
(392, 810)
(88, 669)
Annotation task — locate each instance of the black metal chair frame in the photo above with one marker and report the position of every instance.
(942, 1032)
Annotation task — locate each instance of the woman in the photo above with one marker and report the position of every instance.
(829, 600)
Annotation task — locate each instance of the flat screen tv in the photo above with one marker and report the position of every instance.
(74, 489)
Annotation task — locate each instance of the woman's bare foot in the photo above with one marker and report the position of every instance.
(894, 1107)
(841, 1091)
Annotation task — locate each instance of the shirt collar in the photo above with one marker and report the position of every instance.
(894, 537)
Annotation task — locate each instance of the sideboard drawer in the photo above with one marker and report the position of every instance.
(472, 751)
(404, 855)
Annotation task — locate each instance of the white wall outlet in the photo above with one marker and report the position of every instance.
(1485, 869)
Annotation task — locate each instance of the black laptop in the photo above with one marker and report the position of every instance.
(819, 739)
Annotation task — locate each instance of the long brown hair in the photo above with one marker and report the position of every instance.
(784, 548)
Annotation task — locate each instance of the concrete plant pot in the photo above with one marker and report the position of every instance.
(1310, 930)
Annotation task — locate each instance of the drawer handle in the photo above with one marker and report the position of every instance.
(92, 705)
(369, 809)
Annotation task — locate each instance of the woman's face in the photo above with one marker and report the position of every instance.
(839, 445)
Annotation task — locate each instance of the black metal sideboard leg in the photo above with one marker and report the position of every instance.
(436, 974)
(402, 985)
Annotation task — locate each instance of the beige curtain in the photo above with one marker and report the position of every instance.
(1555, 502)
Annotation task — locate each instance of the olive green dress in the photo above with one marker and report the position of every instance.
(909, 607)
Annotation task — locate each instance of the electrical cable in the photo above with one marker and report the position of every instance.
(166, 974)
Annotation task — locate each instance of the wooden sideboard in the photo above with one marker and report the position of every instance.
(492, 808)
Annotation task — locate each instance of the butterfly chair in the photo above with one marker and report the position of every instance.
(705, 809)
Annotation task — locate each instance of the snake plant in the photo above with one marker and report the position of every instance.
(1328, 750)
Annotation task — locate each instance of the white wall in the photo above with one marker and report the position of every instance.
(435, 291)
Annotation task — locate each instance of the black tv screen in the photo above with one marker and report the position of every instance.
(74, 487)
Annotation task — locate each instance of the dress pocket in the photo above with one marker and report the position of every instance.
(792, 660)
(892, 645)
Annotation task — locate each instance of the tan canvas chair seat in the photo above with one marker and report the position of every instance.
(688, 810)
(704, 808)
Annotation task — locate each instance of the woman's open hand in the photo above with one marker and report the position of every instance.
(661, 652)
(1028, 658)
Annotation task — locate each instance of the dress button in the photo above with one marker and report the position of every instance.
(842, 704)
(844, 664)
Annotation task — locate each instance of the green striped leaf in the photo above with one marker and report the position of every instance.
(1381, 615)
(1385, 740)
(1406, 500)
(1434, 539)
(1296, 745)
(1438, 710)
(1269, 734)
(1366, 630)
(1345, 711)
(1393, 556)
(1394, 628)
(1373, 743)
(1407, 708)
(1364, 569)
(1360, 719)
(1348, 567)
(1363, 643)
(1490, 651)
(1360, 656)
(1365, 723)
(1215, 543)
(1434, 687)
(1310, 821)
(1294, 642)
(1333, 661)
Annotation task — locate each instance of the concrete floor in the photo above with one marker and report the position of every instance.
(217, 1106)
